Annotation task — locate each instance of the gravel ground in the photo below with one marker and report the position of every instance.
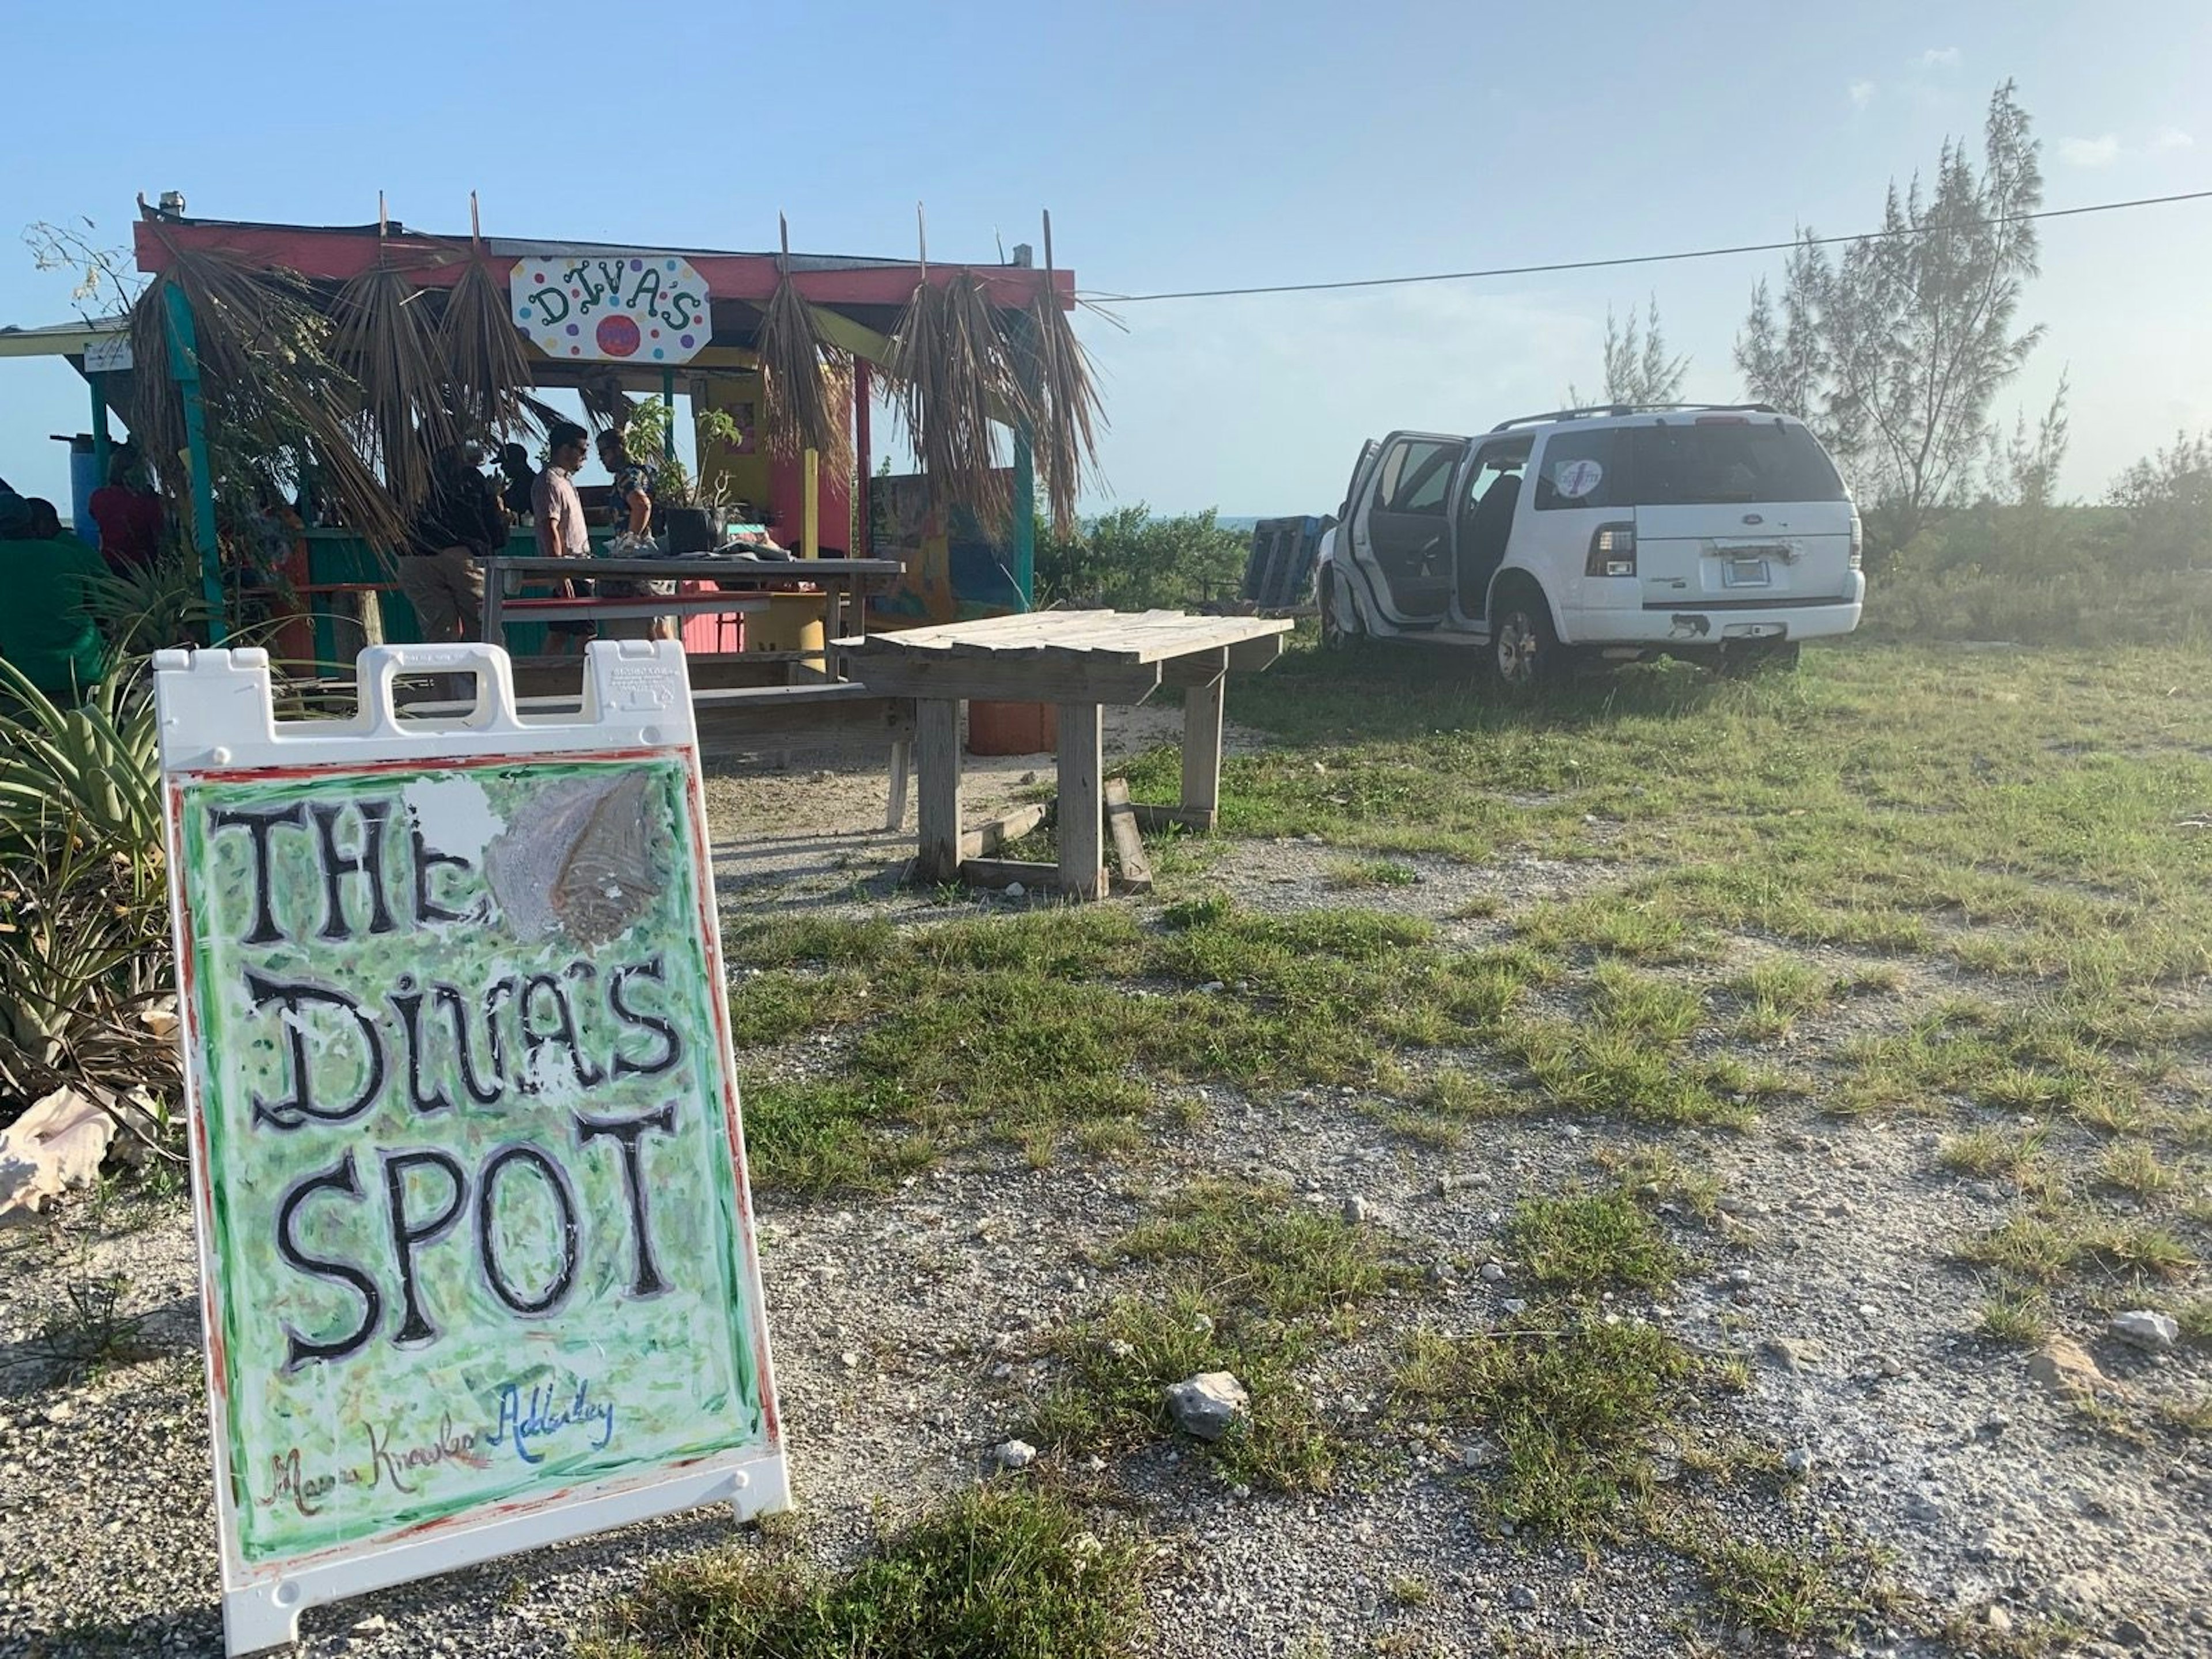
(907, 1335)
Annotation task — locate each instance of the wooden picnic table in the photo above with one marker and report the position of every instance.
(847, 582)
(1079, 661)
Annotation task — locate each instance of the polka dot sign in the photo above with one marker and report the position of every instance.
(615, 308)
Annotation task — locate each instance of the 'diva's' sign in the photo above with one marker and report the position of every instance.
(477, 1259)
(613, 308)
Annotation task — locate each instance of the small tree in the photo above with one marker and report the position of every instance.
(1638, 369)
(1130, 561)
(2169, 498)
(1894, 352)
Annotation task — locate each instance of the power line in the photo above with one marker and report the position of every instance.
(1645, 259)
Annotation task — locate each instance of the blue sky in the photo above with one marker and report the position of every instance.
(1178, 146)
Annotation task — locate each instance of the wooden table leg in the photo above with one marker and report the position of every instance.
(1082, 784)
(937, 759)
(1201, 752)
(495, 598)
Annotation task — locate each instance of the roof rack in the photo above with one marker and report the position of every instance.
(1632, 409)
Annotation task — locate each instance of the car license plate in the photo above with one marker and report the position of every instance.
(1744, 573)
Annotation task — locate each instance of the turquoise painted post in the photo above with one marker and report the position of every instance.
(102, 442)
(1024, 525)
(184, 370)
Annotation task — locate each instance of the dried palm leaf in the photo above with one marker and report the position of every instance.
(276, 400)
(482, 347)
(606, 405)
(1064, 397)
(388, 338)
(952, 374)
(806, 383)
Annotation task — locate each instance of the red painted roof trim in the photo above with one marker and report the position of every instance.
(438, 261)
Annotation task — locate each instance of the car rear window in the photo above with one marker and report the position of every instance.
(1684, 464)
(1697, 464)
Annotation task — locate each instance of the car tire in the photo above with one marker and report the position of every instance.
(1742, 662)
(1525, 654)
(1334, 635)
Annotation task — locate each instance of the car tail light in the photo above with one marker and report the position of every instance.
(1859, 542)
(1722, 420)
(1612, 551)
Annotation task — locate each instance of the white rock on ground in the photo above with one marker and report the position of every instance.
(2146, 1329)
(1208, 1404)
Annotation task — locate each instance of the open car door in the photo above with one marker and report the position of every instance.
(1396, 528)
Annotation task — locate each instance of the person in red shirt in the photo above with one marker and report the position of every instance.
(129, 516)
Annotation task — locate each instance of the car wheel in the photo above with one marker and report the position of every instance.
(1524, 650)
(1741, 662)
(1334, 635)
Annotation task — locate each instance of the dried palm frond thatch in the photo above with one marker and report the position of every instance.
(484, 360)
(277, 402)
(806, 383)
(388, 338)
(1064, 401)
(952, 374)
(606, 405)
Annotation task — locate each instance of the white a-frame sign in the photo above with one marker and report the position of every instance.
(475, 1244)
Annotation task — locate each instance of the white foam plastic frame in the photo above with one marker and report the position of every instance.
(216, 716)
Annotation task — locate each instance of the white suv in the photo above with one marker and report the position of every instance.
(1719, 533)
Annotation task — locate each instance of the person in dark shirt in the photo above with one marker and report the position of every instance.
(519, 481)
(129, 516)
(631, 498)
(460, 521)
(45, 632)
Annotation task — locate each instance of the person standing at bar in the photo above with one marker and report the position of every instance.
(559, 511)
(632, 500)
(460, 523)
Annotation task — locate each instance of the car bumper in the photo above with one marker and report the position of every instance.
(1693, 624)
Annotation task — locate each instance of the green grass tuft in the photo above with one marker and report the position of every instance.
(1591, 1242)
(1007, 1571)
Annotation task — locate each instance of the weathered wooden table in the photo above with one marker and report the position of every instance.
(1078, 660)
(847, 582)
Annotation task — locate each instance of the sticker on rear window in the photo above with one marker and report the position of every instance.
(1576, 479)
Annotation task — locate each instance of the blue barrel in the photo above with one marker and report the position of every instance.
(84, 478)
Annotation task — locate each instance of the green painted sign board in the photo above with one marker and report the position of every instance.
(473, 1212)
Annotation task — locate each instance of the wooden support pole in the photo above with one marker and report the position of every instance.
(937, 757)
(985, 839)
(184, 370)
(1202, 750)
(1129, 846)
(810, 518)
(102, 442)
(1082, 787)
(902, 764)
(668, 413)
(864, 529)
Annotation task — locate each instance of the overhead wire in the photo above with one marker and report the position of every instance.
(1645, 259)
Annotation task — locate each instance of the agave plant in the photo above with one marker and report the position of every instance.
(83, 898)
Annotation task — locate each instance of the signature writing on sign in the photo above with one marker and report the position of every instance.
(524, 1424)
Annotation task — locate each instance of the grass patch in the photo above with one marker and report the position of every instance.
(2132, 1166)
(2046, 1248)
(1655, 1175)
(817, 1138)
(1591, 1242)
(1051, 1029)
(2018, 1314)
(1354, 874)
(1239, 1279)
(1574, 1414)
(1775, 992)
(1006, 1570)
(1796, 1594)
